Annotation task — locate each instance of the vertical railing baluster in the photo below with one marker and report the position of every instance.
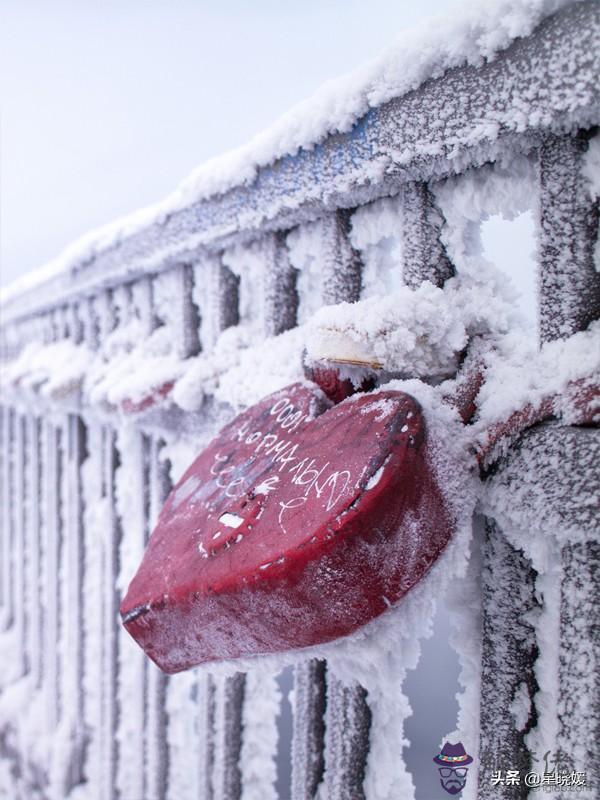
(7, 525)
(206, 730)
(346, 748)
(53, 468)
(569, 282)
(423, 254)
(569, 302)
(341, 266)
(35, 548)
(130, 491)
(110, 621)
(347, 725)
(308, 743)
(20, 549)
(72, 577)
(4, 506)
(229, 699)
(156, 746)
(216, 293)
(189, 326)
(579, 660)
(94, 531)
(280, 294)
(507, 662)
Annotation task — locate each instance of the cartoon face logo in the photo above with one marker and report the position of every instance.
(453, 764)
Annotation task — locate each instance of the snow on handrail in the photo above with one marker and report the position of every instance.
(458, 97)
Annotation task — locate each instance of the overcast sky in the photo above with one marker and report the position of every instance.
(106, 106)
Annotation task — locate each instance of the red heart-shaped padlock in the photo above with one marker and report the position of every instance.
(291, 529)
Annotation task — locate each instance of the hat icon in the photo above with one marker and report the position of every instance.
(453, 755)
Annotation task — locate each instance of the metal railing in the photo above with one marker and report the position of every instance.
(67, 529)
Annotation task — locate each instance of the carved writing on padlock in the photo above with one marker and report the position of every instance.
(292, 528)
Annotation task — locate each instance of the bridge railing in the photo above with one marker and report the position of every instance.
(84, 474)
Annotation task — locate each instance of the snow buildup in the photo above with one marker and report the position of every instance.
(520, 707)
(415, 332)
(262, 702)
(130, 507)
(96, 512)
(239, 375)
(475, 35)
(517, 375)
(376, 233)
(55, 370)
(183, 736)
(305, 245)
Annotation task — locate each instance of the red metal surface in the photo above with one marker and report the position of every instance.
(579, 404)
(153, 398)
(331, 517)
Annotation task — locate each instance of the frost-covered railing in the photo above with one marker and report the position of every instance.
(124, 365)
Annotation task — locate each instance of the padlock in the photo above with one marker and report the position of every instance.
(298, 524)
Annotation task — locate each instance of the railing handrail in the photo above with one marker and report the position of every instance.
(541, 84)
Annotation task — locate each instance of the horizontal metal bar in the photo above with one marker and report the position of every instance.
(543, 83)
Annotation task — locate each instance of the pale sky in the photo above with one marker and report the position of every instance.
(106, 106)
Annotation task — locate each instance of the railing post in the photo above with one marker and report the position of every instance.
(5, 530)
(341, 263)
(206, 729)
(507, 664)
(424, 256)
(53, 476)
(20, 543)
(347, 725)
(7, 524)
(563, 526)
(156, 745)
(110, 703)
(579, 661)
(34, 527)
(281, 297)
(569, 302)
(569, 282)
(308, 743)
(216, 294)
(229, 699)
(71, 581)
(188, 333)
